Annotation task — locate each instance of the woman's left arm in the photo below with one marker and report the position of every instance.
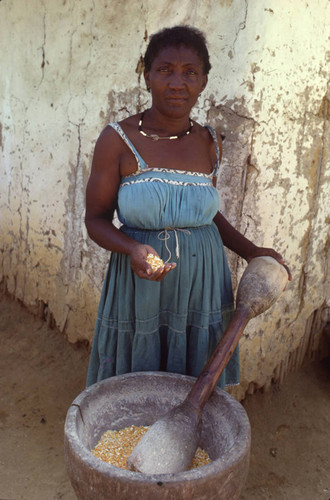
(243, 247)
(236, 242)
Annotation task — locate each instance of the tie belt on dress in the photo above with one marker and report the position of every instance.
(165, 235)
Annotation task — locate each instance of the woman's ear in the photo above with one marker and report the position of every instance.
(147, 79)
(204, 83)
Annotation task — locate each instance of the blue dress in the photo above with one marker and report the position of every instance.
(173, 325)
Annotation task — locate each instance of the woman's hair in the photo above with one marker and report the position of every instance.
(177, 36)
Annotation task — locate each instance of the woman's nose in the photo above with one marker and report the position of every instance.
(176, 80)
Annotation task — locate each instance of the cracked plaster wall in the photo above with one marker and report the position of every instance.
(69, 67)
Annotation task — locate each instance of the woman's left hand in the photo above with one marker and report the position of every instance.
(270, 252)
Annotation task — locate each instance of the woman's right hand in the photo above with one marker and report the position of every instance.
(140, 266)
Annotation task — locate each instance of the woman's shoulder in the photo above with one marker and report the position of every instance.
(206, 130)
(214, 139)
(109, 141)
(130, 121)
(111, 132)
(209, 134)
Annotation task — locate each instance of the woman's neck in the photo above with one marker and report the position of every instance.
(155, 121)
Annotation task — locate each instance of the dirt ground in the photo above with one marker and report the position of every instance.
(41, 374)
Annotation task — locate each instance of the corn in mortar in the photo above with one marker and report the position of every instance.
(115, 447)
(154, 261)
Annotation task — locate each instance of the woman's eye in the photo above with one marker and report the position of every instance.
(163, 70)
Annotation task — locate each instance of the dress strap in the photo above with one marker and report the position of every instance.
(215, 139)
(140, 161)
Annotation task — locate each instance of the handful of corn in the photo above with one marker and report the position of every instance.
(154, 261)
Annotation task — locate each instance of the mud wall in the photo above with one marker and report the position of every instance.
(68, 67)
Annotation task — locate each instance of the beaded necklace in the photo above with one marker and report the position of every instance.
(156, 137)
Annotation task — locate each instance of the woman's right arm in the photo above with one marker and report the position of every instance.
(101, 202)
(101, 195)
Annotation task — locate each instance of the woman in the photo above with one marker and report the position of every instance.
(158, 170)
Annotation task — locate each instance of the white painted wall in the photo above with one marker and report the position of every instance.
(69, 67)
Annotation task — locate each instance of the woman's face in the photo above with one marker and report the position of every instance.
(176, 79)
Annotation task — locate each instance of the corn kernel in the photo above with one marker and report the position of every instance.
(115, 447)
(154, 261)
